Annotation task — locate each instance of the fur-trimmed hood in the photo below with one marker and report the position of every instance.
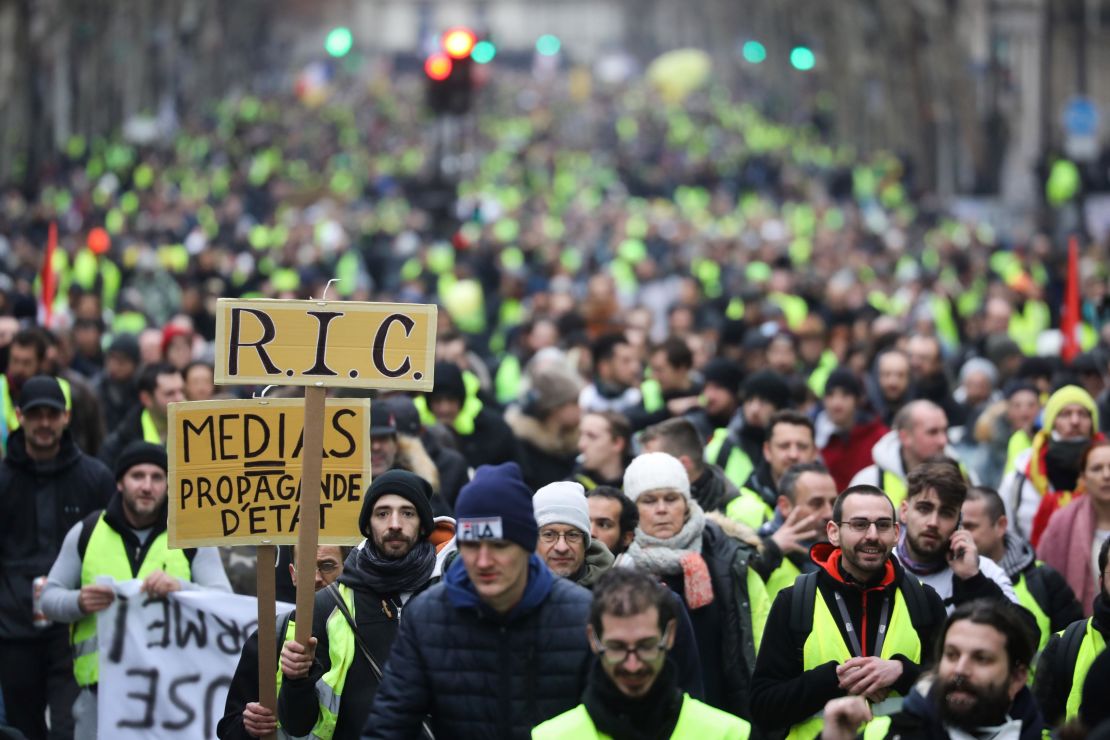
(532, 430)
(736, 530)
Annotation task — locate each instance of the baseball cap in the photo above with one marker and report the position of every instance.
(42, 390)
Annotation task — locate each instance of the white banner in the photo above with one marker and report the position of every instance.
(166, 664)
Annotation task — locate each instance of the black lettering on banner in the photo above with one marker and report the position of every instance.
(115, 652)
(147, 697)
(185, 628)
(288, 488)
(186, 491)
(248, 450)
(335, 419)
(229, 638)
(181, 702)
(187, 428)
(217, 690)
(378, 354)
(256, 519)
(356, 488)
(226, 437)
(230, 521)
(204, 491)
(162, 641)
(268, 334)
(225, 492)
(325, 318)
(243, 487)
(279, 508)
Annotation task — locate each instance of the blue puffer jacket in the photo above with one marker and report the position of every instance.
(477, 674)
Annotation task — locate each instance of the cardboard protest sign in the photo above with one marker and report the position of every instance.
(325, 343)
(166, 664)
(235, 471)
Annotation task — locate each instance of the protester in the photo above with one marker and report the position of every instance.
(546, 426)
(616, 384)
(719, 411)
(790, 440)
(199, 385)
(26, 359)
(1068, 655)
(415, 443)
(679, 438)
(1045, 476)
(565, 544)
(1039, 587)
(633, 689)
(329, 685)
(807, 494)
(45, 478)
(613, 518)
(889, 387)
(1075, 533)
(712, 572)
(479, 433)
(499, 619)
(671, 390)
(159, 386)
(762, 394)
(124, 541)
(116, 388)
(932, 546)
(243, 716)
(979, 689)
(919, 431)
(844, 431)
(869, 634)
(604, 447)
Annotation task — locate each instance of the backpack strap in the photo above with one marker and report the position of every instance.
(802, 602)
(88, 524)
(1067, 653)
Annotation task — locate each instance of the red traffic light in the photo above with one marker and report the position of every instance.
(459, 42)
(438, 66)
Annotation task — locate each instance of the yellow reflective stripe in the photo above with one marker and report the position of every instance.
(341, 651)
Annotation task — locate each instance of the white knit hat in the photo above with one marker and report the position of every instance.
(654, 471)
(563, 502)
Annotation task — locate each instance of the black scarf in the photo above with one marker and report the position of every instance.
(1061, 462)
(651, 717)
(365, 569)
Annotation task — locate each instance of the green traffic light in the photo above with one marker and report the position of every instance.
(484, 52)
(754, 52)
(339, 41)
(548, 45)
(803, 58)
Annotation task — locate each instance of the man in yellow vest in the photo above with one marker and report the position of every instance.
(124, 541)
(1069, 654)
(160, 385)
(243, 716)
(806, 497)
(632, 689)
(1040, 588)
(858, 625)
(979, 690)
(26, 359)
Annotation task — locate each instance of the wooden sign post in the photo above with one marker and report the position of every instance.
(320, 344)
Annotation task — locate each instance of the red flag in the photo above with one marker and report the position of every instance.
(1069, 317)
(48, 283)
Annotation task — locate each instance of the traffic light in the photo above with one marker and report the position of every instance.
(448, 71)
(339, 41)
(802, 58)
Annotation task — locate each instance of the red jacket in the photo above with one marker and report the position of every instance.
(847, 453)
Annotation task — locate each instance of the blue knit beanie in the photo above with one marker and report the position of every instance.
(496, 505)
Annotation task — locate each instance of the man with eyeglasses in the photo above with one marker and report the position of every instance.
(329, 685)
(632, 689)
(563, 518)
(858, 625)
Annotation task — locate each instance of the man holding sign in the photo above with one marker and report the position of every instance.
(127, 540)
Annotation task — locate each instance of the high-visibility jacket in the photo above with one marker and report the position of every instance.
(106, 555)
(696, 720)
(749, 508)
(781, 577)
(825, 644)
(1030, 592)
(1080, 644)
(729, 457)
(341, 651)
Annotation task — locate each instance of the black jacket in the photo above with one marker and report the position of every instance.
(1053, 682)
(244, 685)
(492, 442)
(478, 674)
(783, 694)
(39, 504)
(712, 490)
(129, 430)
(919, 718)
(452, 469)
(544, 456)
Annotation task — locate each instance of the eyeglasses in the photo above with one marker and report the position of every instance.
(862, 525)
(327, 566)
(572, 537)
(615, 654)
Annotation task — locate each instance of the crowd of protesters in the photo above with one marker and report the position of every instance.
(812, 444)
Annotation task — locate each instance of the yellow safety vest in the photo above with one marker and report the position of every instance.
(825, 644)
(106, 555)
(1026, 599)
(696, 721)
(468, 413)
(652, 394)
(893, 486)
(737, 467)
(783, 576)
(749, 508)
(341, 651)
(150, 432)
(1093, 644)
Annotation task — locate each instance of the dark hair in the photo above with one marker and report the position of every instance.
(619, 428)
(344, 551)
(791, 417)
(944, 477)
(34, 338)
(1003, 616)
(630, 514)
(789, 480)
(197, 363)
(679, 437)
(992, 502)
(862, 489)
(148, 376)
(1087, 453)
(625, 592)
(677, 352)
(605, 346)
